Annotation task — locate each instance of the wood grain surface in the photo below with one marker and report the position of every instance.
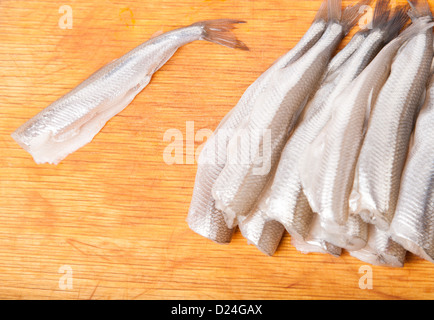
(113, 213)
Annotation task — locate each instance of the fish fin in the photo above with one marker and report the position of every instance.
(334, 9)
(352, 14)
(419, 8)
(220, 31)
(418, 26)
(381, 14)
(397, 21)
(322, 13)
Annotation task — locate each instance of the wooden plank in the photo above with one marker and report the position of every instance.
(114, 212)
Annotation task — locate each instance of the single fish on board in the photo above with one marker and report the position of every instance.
(256, 146)
(384, 151)
(413, 223)
(203, 216)
(73, 120)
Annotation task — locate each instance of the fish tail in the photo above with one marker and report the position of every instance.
(381, 14)
(397, 21)
(419, 8)
(322, 13)
(352, 14)
(420, 25)
(220, 31)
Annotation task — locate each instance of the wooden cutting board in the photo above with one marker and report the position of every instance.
(109, 221)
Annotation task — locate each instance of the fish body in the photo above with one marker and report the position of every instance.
(283, 199)
(73, 120)
(255, 148)
(384, 151)
(265, 224)
(328, 165)
(285, 194)
(412, 225)
(203, 216)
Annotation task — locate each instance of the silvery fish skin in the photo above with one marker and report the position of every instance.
(384, 151)
(283, 199)
(263, 229)
(203, 217)
(270, 123)
(264, 234)
(381, 250)
(331, 75)
(412, 225)
(327, 167)
(73, 120)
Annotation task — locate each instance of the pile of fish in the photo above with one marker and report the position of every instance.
(338, 151)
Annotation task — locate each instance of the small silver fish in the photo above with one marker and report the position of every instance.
(73, 120)
(327, 167)
(384, 151)
(263, 228)
(412, 225)
(255, 148)
(203, 217)
(283, 200)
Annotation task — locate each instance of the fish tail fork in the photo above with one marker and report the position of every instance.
(220, 31)
(419, 8)
(352, 14)
(322, 13)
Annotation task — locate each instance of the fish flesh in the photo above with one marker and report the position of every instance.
(328, 165)
(73, 120)
(412, 225)
(384, 151)
(381, 250)
(203, 217)
(314, 241)
(283, 199)
(256, 146)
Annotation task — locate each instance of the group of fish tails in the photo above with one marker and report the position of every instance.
(347, 141)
